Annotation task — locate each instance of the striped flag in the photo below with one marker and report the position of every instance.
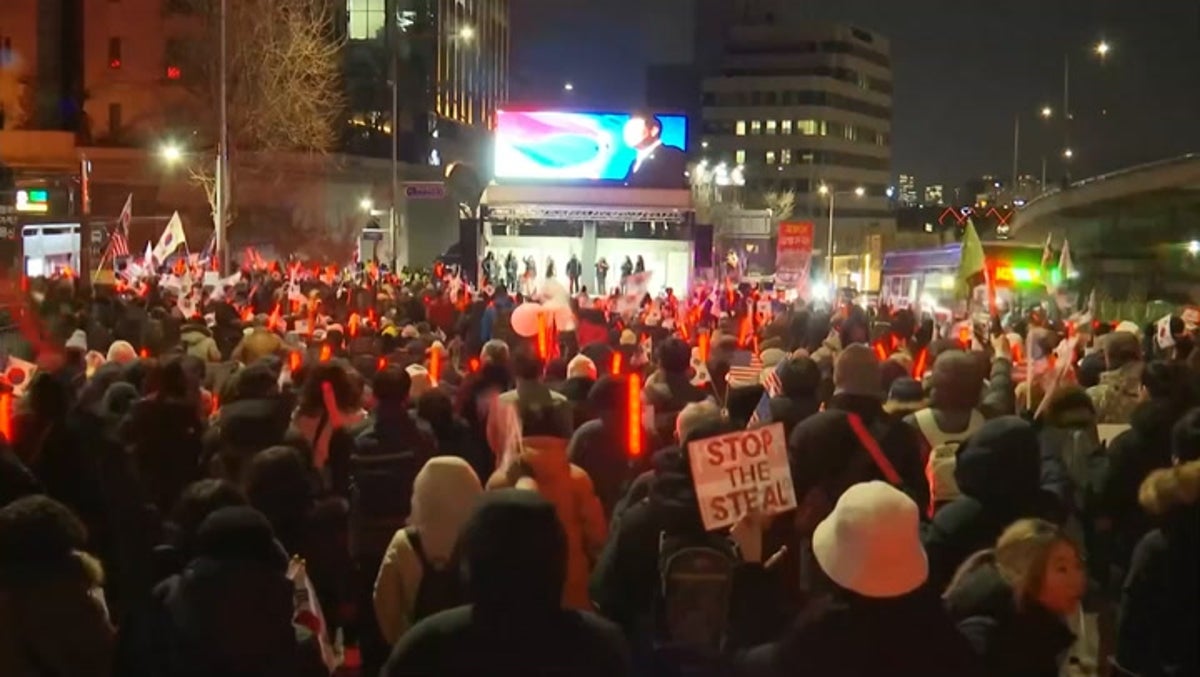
(772, 387)
(118, 240)
(744, 368)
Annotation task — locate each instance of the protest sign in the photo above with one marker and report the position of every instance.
(740, 472)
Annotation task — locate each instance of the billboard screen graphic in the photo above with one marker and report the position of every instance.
(572, 147)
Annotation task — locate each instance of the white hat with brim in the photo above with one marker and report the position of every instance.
(870, 544)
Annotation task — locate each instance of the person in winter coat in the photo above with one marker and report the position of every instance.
(1012, 601)
(878, 617)
(824, 449)
(670, 389)
(515, 554)
(452, 434)
(330, 427)
(230, 612)
(52, 608)
(444, 496)
(496, 322)
(535, 401)
(799, 379)
(541, 464)
(999, 472)
(1165, 395)
(253, 416)
(1158, 625)
(600, 446)
(625, 582)
(1117, 393)
(581, 376)
(198, 341)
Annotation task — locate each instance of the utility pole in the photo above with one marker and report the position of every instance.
(222, 173)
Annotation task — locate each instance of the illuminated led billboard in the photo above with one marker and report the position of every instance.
(570, 147)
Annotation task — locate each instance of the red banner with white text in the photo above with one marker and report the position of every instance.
(793, 256)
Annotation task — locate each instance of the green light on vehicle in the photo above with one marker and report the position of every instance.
(1026, 275)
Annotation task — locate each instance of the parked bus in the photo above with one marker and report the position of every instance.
(925, 278)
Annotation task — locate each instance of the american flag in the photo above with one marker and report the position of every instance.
(772, 387)
(744, 368)
(118, 240)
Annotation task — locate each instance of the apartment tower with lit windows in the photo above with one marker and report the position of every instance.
(451, 63)
(806, 105)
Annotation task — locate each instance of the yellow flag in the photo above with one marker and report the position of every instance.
(971, 266)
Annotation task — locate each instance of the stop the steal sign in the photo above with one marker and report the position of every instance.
(740, 472)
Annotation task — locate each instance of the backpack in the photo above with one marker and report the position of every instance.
(818, 501)
(440, 589)
(943, 450)
(696, 581)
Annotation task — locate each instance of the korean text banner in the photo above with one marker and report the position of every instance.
(793, 255)
(573, 147)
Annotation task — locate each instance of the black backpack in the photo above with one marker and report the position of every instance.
(692, 604)
(440, 589)
(380, 495)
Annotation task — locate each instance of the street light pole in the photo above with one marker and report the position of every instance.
(393, 214)
(1016, 152)
(829, 272)
(222, 173)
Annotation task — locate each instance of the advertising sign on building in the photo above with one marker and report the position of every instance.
(741, 472)
(577, 147)
(793, 255)
(425, 190)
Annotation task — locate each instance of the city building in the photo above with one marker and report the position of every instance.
(906, 184)
(807, 107)
(935, 194)
(451, 60)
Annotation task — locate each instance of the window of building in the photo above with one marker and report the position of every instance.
(807, 158)
(173, 69)
(756, 127)
(806, 127)
(850, 133)
(785, 156)
(114, 53)
(880, 139)
(367, 18)
(771, 157)
(114, 119)
(771, 126)
(785, 127)
(740, 128)
(770, 98)
(756, 98)
(739, 157)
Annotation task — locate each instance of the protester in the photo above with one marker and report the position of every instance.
(600, 447)
(878, 616)
(1012, 601)
(52, 604)
(799, 379)
(1117, 393)
(515, 554)
(420, 573)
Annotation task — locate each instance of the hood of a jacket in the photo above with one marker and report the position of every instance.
(516, 554)
(1000, 462)
(672, 492)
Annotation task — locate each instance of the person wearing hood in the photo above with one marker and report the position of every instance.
(419, 575)
(999, 477)
(1157, 624)
(515, 562)
(877, 617)
(799, 379)
(581, 376)
(330, 425)
(198, 341)
(952, 416)
(540, 462)
(1012, 602)
(1117, 394)
(626, 580)
(1163, 397)
(52, 607)
(230, 612)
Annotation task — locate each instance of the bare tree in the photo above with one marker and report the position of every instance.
(782, 204)
(283, 84)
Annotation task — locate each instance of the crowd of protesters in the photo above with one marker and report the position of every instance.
(466, 501)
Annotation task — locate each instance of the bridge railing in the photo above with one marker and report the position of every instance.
(1116, 174)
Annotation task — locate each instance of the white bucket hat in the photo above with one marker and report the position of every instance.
(870, 544)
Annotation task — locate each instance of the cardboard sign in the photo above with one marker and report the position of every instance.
(740, 472)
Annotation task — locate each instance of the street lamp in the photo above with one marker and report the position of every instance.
(1047, 112)
(1103, 48)
(569, 87)
(170, 153)
(1068, 153)
(826, 191)
(367, 204)
(467, 33)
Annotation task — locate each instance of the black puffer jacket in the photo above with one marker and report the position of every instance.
(999, 474)
(1027, 641)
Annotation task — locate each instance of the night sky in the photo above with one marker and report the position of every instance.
(963, 69)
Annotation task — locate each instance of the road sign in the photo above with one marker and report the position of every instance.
(425, 190)
(371, 235)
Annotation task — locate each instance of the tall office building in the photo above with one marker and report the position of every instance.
(805, 105)
(451, 60)
(906, 187)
